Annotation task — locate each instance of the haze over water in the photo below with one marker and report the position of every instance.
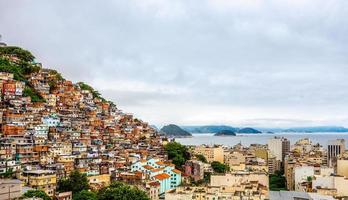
(247, 139)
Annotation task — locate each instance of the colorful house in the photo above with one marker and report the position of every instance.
(156, 170)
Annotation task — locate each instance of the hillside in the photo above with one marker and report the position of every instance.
(173, 130)
(46, 118)
(33, 92)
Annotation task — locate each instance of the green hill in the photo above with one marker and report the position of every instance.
(173, 130)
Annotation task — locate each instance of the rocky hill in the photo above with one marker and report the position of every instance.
(225, 133)
(173, 130)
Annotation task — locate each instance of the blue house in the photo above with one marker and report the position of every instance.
(162, 172)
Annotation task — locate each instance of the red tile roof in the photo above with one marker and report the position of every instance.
(148, 167)
(176, 171)
(157, 170)
(162, 176)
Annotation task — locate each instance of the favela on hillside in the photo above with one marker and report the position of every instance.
(174, 100)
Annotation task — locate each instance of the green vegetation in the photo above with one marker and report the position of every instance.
(36, 193)
(85, 195)
(277, 181)
(200, 157)
(95, 93)
(78, 184)
(8, 174)
(174, 131)
(30, 92)
(75, 183)
(20, 53)
(16, 70)
(54, 82)
(207, 176)
(58, 76)
(219, 167)
(19, 73)
(177, 153)
(119, 190)
(21, 69)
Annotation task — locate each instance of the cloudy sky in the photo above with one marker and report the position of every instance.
(239, 62)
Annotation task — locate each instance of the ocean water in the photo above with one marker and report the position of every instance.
(247, 139)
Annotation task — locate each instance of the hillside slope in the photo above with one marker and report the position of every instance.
(173, 130)
(31, 93)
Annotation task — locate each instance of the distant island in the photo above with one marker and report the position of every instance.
(218, 128)
(317, 129)
(249, 130)
(173, 130)
(208, 129)
(225, 133)
(258, 130)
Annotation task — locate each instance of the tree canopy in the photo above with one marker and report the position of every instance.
(76, 182)
(177, 153)
(36, 193)
(85, 195)
(200, 157)
(94, 92)
(219, 167)
(19, 72)
(20, 53)
(119, 190)
(277, 181)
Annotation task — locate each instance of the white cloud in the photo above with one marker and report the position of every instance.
(193, 62)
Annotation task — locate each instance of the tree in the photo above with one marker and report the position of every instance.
(85, 195)
(207, 176)
(118, 190)
(36, 193)
(177, 153)
(94, 92)
(200, 157)
(75, 183)
(219, 167)
(277, 181)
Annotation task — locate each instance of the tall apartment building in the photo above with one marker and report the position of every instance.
(211, 153)
(335, 148)
(279, 147)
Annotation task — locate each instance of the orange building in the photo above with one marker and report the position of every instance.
(9, 129)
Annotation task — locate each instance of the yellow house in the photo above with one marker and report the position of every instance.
(99, 181)
(45, 180)
(210, 153)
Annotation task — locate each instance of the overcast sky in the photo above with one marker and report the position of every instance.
(265, 63)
